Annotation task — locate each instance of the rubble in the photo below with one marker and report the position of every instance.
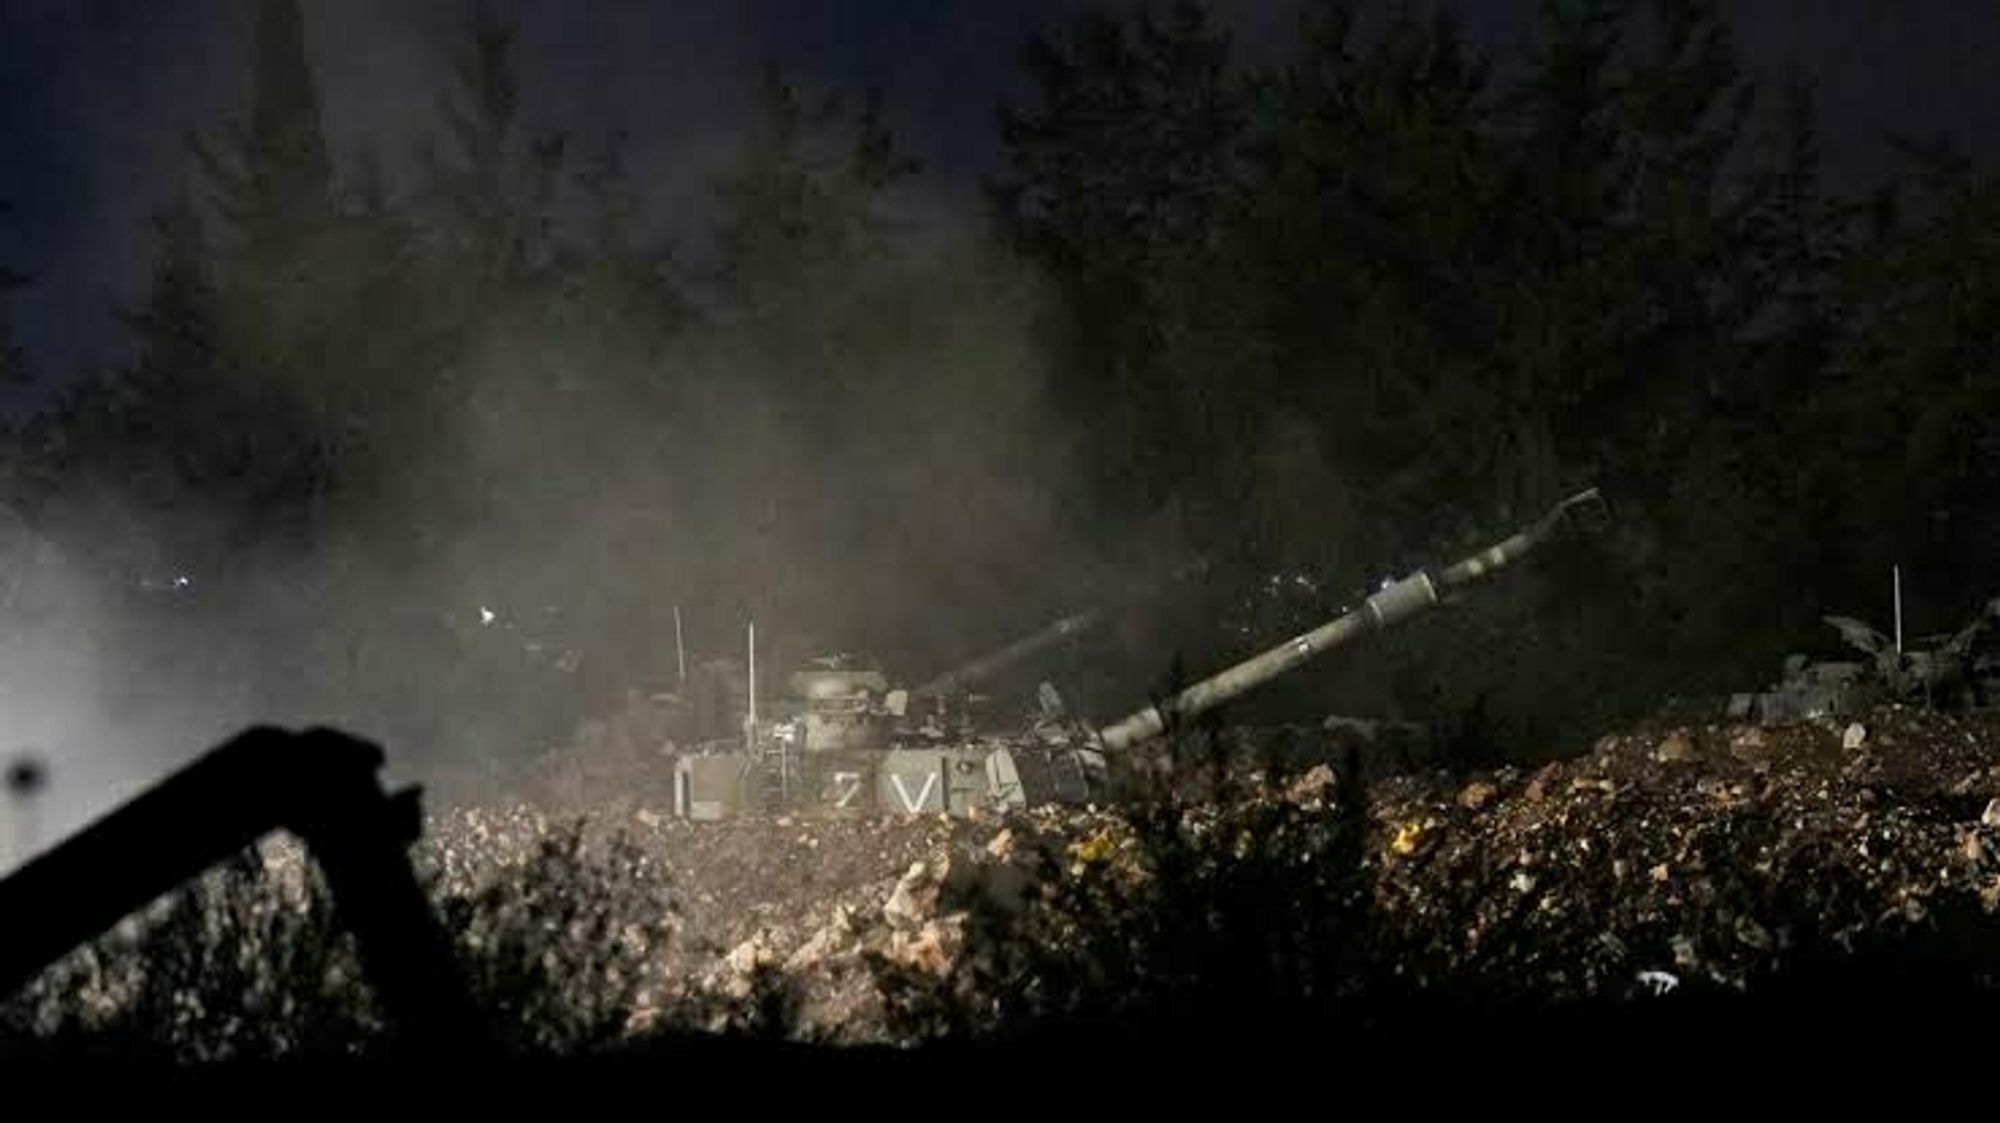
(1704, 856)
(1538, 788)
(1676, 748)
(1312, 788)
(827, 945)
(750, 955)
(1477, 795)
(932, 949)
(914, 899)
(1751, 746)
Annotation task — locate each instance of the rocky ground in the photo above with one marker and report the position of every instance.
(1687, 857)
(1701, 859)
(1707, 854)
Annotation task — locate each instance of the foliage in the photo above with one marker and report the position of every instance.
(563, 949)
(1322, 318)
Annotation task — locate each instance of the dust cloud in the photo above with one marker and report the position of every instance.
(861, 455)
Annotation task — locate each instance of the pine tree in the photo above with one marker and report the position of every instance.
(271, 185)
(802, 201)
(273, 179)
(487, 203)
(13, 361)
(1906, 408)
(171, 402)
(803, 263)
(1114, 174)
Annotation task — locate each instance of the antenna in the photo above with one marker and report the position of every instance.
(1896, 578)
(680, 649)
(750, 725)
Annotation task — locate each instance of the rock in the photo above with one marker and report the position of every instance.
(1538, 788)
(931, 949)
(915, 897)
(1685, 955)
(749, 955)
(823, 945)
(1001, 848)
(1097, 848)
(1313, 787)
(1752, 934)
(1749, 738)
(1991, 816)
(1854, 737)
(641, 1020)
(1678, 748)
(1477, 795)
(1753, 748)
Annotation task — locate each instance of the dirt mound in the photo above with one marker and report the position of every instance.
(1695, 857)
(1710, 853)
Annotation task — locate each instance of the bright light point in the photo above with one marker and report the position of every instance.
(485, 615)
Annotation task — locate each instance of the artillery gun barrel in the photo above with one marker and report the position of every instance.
(1394, 603)
(989, 665)
(993, 663)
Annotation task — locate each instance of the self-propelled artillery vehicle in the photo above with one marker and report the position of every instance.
(848, 742)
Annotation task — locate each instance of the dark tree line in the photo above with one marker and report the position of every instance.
(1347, 310)
(1327, 319)
(13, 363)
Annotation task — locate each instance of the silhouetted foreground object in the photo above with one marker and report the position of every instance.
(1394, 603)
(318, 784)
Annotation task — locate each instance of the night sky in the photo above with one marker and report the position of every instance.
(95, 96)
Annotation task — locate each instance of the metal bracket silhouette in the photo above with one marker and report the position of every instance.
(319, 785)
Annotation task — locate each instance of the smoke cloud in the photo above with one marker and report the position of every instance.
(871, 464)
